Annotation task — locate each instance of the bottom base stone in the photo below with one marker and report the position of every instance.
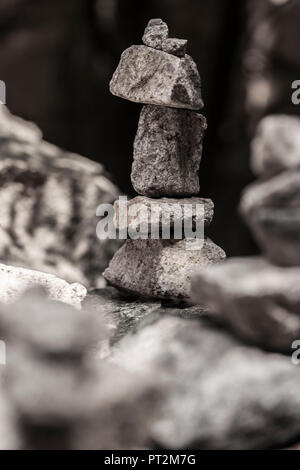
(160, 268)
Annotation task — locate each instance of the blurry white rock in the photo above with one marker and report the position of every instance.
(15, 281)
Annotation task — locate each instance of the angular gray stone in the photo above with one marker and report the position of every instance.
(155, 33)
(257, 300)
(276, 146)
(220, 394)
(49, 200)
(165, 212)
(175, 46)
(146, 75)
(160, 268)
(167, 152)
(272, 210)
(15, 281)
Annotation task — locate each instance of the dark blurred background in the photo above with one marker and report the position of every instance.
(58, 56)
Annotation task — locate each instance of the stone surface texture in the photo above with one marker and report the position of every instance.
(276, 146)
(163, 212)
(220, 393)
(160, 268)
(155, 33)
(175, 46)
(15, 281)
(272, 210)
(257, 300)
(49, 200)
(149, 76)
(167, 152)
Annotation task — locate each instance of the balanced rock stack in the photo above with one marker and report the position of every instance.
(167, 154)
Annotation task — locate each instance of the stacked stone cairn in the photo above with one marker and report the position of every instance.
(167, 154)
(259, 297)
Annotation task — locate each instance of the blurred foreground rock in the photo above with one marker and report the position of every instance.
(61, 399)
(221, 394)
(15, 281)
(258, 301)
(48, 205)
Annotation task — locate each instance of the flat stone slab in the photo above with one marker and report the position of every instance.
(15, 281)
(167, 152)
(149, 76)
(257, 300)
(146, 215)
(276, 146)
(221, 394)
(272, 210)
(160, 268)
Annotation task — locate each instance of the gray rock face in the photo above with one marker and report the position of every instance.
(167, 152)
(15, 281)
(259, 301)
(160, 268)
(175, 46)
(145, 214)
(276, 146)
(220, 394)
(272, 210)
(49, 201)
(155, 33)
(146, 75)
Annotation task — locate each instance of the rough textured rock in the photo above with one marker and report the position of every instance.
(160, 268)
(276, 146)
(167, 152)
(175, 46)
(272, 210)
(164, 212)
(259, 301)
(155, 33)
(15, 281)
(49, 200)
(146, 75)
(61, 399)
(221, 395)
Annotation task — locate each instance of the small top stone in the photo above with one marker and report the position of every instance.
(155, 33)
(175, 46)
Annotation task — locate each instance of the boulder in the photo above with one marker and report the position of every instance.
(15, 281)
(160, 268)
(149, 76)
(167, 152)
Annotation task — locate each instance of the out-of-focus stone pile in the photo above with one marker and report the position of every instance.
(167, 155)
(260, 297)
(48, 206)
